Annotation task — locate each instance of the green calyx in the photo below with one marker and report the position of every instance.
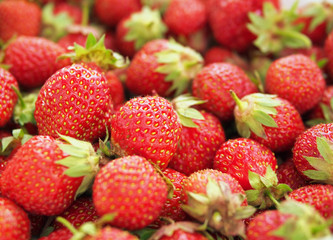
(54, 25)
(144, 26)
(25, 108)
(266, 190)
(253, 112)
(276, 30)
(183, 106)
(304, 223)
(219, 209)
(96, 52)
(180, 64)
(81, 162)
(323, 164)
(161, 5)
(19, 136)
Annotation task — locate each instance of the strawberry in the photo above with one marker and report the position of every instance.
(60, 234)
(317, 195)
(116, 88)
(184, 17)
(164, 67)
(35, 178)
(269, 120)
(57, 104)
(14, 222)
(71, 10)
(8, 97)
(146, 126)
(111, 12)
(72, 38)
(213, 84)
(19, 18)
(125, 185)
(197, 146)
(297, 79)
(329, 53)
(323, 111)
(33, 60)
(312, 153)
(108, 232)
(137, 29)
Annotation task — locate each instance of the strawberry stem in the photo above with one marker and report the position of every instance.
(85, 12)
(19, 95)
(272, 198)
(242, 105)
(67, 224)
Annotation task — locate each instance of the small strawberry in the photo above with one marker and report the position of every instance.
(19, 18)
(197, 146)
(164, 67)
(124, 186)
(184, 17)
(14, 222)
(297, 79)
(33, 60)
(213, 84)
(8, 97)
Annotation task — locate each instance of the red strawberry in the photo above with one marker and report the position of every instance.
(72, 38)
(125, 185)
(297, 79)
(146, 126)
(329, 53)
(213, 84)
(73, 11)
(312, 153)
(19, 18)
(33, 60)
(164, 67)
(116, 88)
(60, 234)
(179, 230)
(14, 222)
(8, 97)
(197, 146)
(181, 234)
(75, 101)
(111, 12)
(184, 17)
(108, 233)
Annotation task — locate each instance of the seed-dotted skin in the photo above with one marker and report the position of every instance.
(297, 79)
(131, 188)
(14, 222)
(213, 84)
(148, 127)
(197, 146)
(110, 233)
(76, 102)
(8, 97)
(239, 156)
(60, 234)
(288, 174)
(306, 146)
(183, 235)
(34, 180)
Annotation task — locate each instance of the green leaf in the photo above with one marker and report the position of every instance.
(255, 180)
(264, 119)
(252, 195)
(316, 175)
(325, 149)
(78, 170)
(73, 151)
(6, 141)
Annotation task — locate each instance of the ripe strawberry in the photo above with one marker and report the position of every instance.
(288, 174)
(179, 230)
(146, 126)
(8, 97)
(60, 234)
(33, 60)
(72, 11)
(329, 53)
(213, 84)
(116, 88)
(312, 153)
(164, 67)
(184, 17)
(197, 146)
(181, 234)
(19, 18)
(125, 185)
(317, 195)
(297, 79)
(111, 12)
(108, 232)
(72, 38)
(269, 120)
(57, 104)
(14, 222)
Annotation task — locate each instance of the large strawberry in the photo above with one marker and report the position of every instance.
(33, 60)
(197, 146)
(164, 67)
(297, 79)
(131, 188)
(19, 18)
(14, 222)
(8, 97)
(213, 84)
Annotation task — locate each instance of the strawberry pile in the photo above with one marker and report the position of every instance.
(166, 119)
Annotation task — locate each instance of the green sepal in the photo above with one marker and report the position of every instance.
(10, 142)
(144, 26)
(276, 30)
(54, 26)
(183, 106)
(254, 111)
(96, 52)
(180, 64)
(319, 12)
